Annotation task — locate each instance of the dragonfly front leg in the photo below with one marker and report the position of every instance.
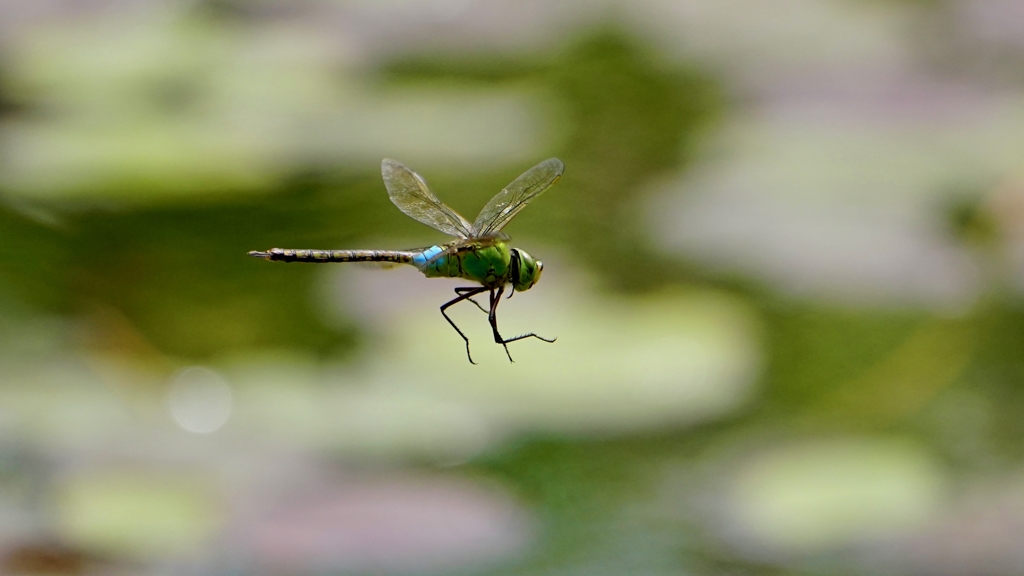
(492, 317)
(467, 294)
(464, 289)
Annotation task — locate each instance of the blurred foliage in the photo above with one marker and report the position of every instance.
(35, 262)
(582, 489)
(997, 376)
(972, 222)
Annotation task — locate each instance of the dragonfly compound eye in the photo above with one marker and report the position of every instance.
(528, 271)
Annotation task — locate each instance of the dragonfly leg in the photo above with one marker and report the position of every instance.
(466, 295)
(492, 317)
(461, 291)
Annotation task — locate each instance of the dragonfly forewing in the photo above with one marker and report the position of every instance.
(514, 197)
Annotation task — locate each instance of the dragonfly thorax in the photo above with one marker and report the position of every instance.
(524, 270)
(489, 262)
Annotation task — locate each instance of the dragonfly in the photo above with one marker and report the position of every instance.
(479, 253)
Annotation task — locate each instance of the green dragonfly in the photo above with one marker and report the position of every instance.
(480, 252)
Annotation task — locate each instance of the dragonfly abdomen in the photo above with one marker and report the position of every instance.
(293, 255)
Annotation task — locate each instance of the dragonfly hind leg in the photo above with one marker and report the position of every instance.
(464, 294)
(492, 317)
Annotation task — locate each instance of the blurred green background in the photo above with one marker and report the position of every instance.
(784, 266)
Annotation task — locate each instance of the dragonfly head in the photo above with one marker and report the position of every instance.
(525, 270)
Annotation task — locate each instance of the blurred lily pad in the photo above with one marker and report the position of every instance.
(831, 493)
(138, 514)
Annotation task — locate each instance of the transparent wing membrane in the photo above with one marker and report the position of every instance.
(409, 191)
(514, 197)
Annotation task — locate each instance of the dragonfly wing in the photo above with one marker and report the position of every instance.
(409, 191)
(514, 197)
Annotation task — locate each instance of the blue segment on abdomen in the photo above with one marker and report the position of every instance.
(421, 259)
